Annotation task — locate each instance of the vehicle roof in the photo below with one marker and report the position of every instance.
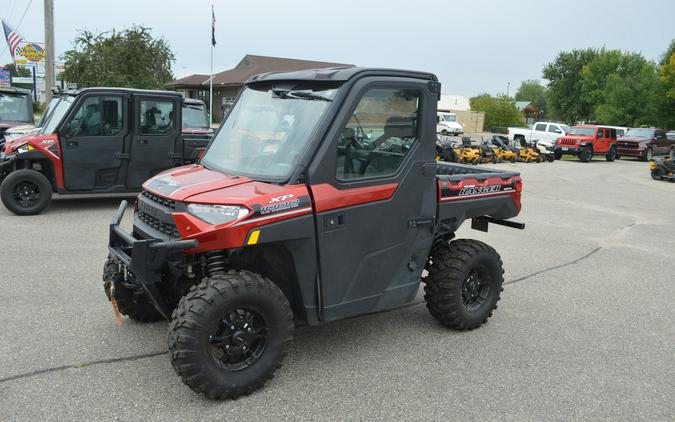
(338, 74)
(194, 101)
(120, 90)
(14, 90)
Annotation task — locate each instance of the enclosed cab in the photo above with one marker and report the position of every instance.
(448, 124)
(585, 141)
(16, 109)
(197, 131)
(319, 199)
(97, 140)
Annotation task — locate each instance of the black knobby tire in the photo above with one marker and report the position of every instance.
(452, 268)
(513, 159)
(550, 158)
(611, 155)
(586, 155)
(26, 192)
(198, 338)
(657, 174)
(134, 304)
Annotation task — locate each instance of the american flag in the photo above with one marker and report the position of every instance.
(13, 38)
(213, 27)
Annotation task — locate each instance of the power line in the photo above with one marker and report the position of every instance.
(20, 22)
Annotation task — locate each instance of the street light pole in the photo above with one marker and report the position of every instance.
(508, 87)
(49, 47)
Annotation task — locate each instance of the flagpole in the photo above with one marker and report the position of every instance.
(211, 78)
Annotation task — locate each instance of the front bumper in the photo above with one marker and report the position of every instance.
(144, 258)
(631, 152)
(568, 150)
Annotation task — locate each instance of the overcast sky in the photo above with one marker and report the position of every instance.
(472, 46)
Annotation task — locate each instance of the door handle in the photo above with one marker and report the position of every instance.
(334, 221)
(143, 141)
(72, 143)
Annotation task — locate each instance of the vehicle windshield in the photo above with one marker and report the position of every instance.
(639, 133)
(565, 128)
(267, 131)
(195, 116)
(15, 108)
(448, 117)
(57, 108)
(582, 131)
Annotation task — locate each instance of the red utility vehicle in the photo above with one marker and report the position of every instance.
(585, 141)
(319, 199)
(101, 140)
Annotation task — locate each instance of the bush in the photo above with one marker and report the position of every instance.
(39, 108)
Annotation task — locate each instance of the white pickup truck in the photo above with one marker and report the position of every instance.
(541, 131)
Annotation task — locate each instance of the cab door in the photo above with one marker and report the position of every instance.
(152, 143)
(374, 193)
(92, 140)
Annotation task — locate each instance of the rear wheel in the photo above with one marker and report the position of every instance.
(26, 192)
(586, 155)
(444, 132)
(550, 158)
(657, 174)
(464, 283)
(228, 335)
(512, 159)
(134, 304)
(611, 155)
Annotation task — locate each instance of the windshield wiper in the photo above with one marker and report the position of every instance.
(299, 95)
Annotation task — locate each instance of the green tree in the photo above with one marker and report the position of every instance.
(622, 89)
(19, 72)
(533, 91)
(130, 58)
(564, 76)
(667, 80)
(499, 111)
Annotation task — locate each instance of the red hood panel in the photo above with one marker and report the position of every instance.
(182, 182)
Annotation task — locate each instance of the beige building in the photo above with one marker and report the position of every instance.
(461, 106)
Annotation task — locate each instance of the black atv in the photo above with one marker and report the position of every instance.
(663, 168)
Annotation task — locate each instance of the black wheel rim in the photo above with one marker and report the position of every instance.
(26, 194)
(240, 339)
(476, 288)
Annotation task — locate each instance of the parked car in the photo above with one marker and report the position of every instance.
(16, 109)
(544, 133)
(98, 140)
(585, 141)
(644, 143)
(447, 124)
(264, 232)
(670, 135)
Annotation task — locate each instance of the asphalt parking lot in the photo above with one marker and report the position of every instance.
(585, 328)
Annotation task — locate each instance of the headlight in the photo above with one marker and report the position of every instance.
(24, 148)
(217, 214)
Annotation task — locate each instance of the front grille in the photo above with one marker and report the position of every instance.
(162, 227)
(168, 203)
(627, 144)
(567, 141)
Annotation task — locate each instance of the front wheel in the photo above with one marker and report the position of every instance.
(557, 155)
(649, 154)
(228, 335)
(26, 192)
(611, 155)
(464, 283)
(550, 158)
(657, 174)
(444, 132)
(586, 155)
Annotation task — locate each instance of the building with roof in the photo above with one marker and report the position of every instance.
(227, 84)
(529, 110)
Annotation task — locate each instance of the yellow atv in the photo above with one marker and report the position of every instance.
(468, 153)
(526, 153)
(503, 151)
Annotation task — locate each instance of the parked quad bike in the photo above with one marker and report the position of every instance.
(504, 151)
(663, 168)
(468, 153)
(526, 153)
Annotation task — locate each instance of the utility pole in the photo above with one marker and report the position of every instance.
(49, 47)
(508, 87)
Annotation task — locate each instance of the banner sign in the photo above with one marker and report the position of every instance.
(5, 77)
(29, 53)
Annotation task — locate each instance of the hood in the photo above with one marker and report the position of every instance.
(19, 131)
(197, 184)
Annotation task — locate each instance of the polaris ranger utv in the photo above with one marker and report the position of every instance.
(101, 140)
(290, 216)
